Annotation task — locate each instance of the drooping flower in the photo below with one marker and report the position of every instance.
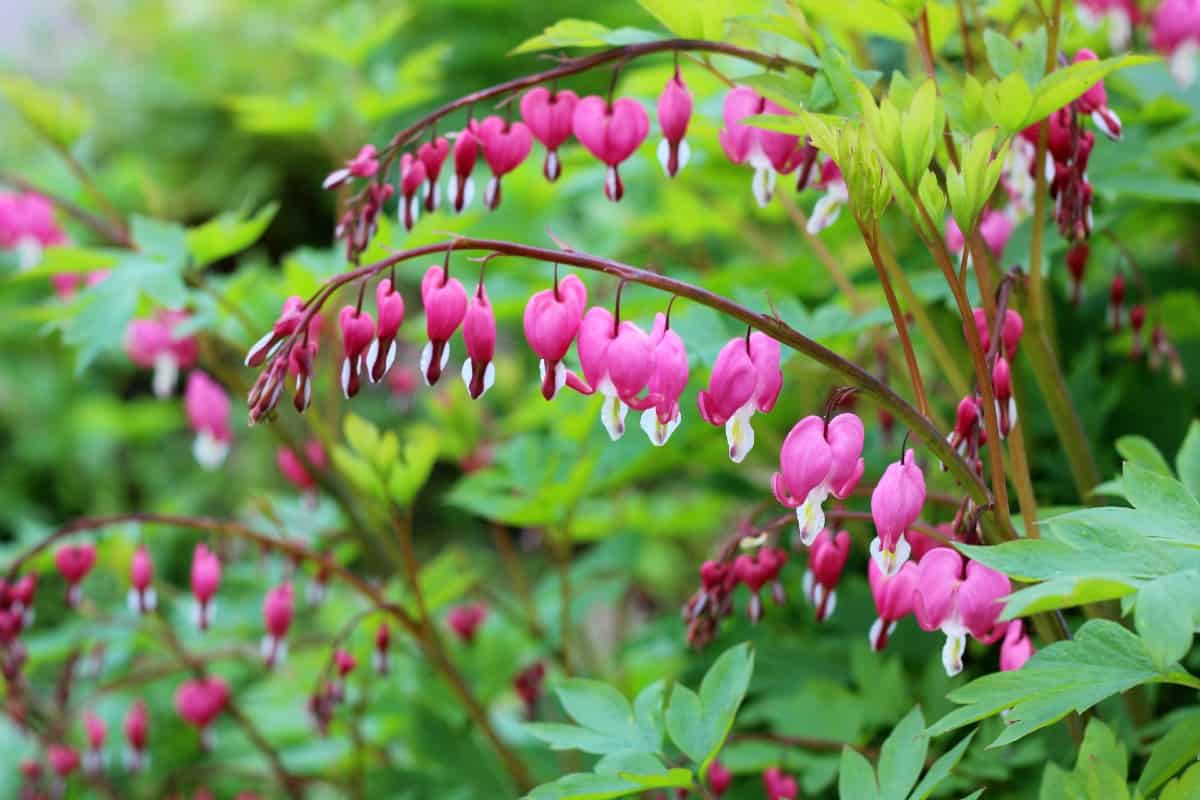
(278, 607)
(893, 595)
(1016, 648)
(358, 332)
(141, 574)
(137, 735)
(836, 194)
(465, 620)
(432, 155)
(1095, 102)
(293, 468)
(528, 684)
(389, 307)
(818, 459)
(152, 344)
(779, 785)
(895, 505)
(63, 760)
(667, 382)
(959, 602)
(995, 227)
(617, 361)
(768, 152)
(206, 577)
(201, 700)
(445, 303)
(1077, 261)
(300, 366)
(1116, 301)
(505, 145)
(966, 420)
(551, 322)
(287, 324)
(1010, 332)
(74, 562)
(460, 188)
(207, 406)
(612, 132)
(826, 559)
(479, 335)
(674, 114)
(549, 113)
(756, 572)
(381, 655)
(719, 778)
(21, 594)
(363, 165)
(412, 178)
(1006, 404)
(1177, 36)
(745, 378)
(97, 731)
(1137, 321)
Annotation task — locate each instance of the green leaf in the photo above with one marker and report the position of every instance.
(582, 33)
(1066, 84)
(1008, 102)
(54, 115)
(589, 786)
(73, 258)
(606, 724)
(685, 723)
(1002, 53)
(677, 16)
(1065, 593)
(1165, 619)
(1103, 659)
(1185, 787)
(1172, 752)
(227, 234)
(903, 756)
(1165, 498)
(1141, 451)
(856, 779)
(721, 693)
(1187, 460)
(941, 769)
(648, 714)
(596, 705)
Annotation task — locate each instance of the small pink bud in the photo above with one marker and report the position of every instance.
(465, 620)
(461, 189)
(389, 307)
(826, 559)
(278, 607)
(549, 115)
(137, 726)
(779, 785)
(445, 302)
(719, 778)
(74, 562)
(432, 155)
(380, 658)
(201, 700)
(206, 577)
(63, 760)
(896, 503)
(141, 574)
(612, 133)
(344, 662)
(1006, 405)
(287, 324)
(674, 114)
(358, 330)
(1116, 301)
(479, 335)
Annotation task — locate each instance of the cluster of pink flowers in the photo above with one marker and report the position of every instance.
(1175, 29)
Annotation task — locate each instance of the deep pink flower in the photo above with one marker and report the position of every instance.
(612, 133)
(505, 145)
(465, 620)
(1177, 36)
(300, 366)
(294, 470)
(460, 188)
(344, 662)
(97, 731)
(432, 155)
(208, 409)
(779, 785)
(28, 225)
(1095, 102)
(719, 778)
(996, 228)
(817, 460)
(152, 344)
(206, 577)
(551, 322)
(966, 421)
(381, 655)
(826, 559)
(745, 378)
(479, 335)
(1010, 332)
(142, 597)
(955, 241)
(768, 152)
(63, 760)
(895, 505)
(959, 603)
(1116, 301)
(412, 178)
(201, 700)
(358, 332)
(922, 543)
(756, 572)
(549, 115)
(445, 302)
(617, 362)
(137, 734)
(667, 382)
(1006, 404)
(836, 194)
(363, 165)
(277, 609)
(389, 307)
(74, 562)
(1016, 648)
(287, 324)
(893, 595)
(674, 114)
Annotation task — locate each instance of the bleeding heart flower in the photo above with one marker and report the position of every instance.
(1006, 404)
(137, 734)
(818, 459)
(479, 334)
(551, 322)
(389, 306)
(287, 324)
(465, 620)
(667, 382)
(363, 165)
(412, 178)
(1177, 36)
(278, 607)
(745, 378)
(97, 731)
(206, 577)
(1016, 648)
(358, 331)
(445, 302)
(966, 422)
(719, 778)
(74, 562)
(779, 785)
(200, 701)
(829, 207)
(1095, 102)
(768, 152)
(611, 132)
(826, 559)
(432, 155)
(295, 471)
(63, 760)
(895, 505)
(381, 657)
(617, 361)
(152, 344)
(208, 409)
(674, 114)
(959, 603)
(893, 595)
(505, 145)
(300, 366)
(460, 188)
(549, 115)
(141, 574)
